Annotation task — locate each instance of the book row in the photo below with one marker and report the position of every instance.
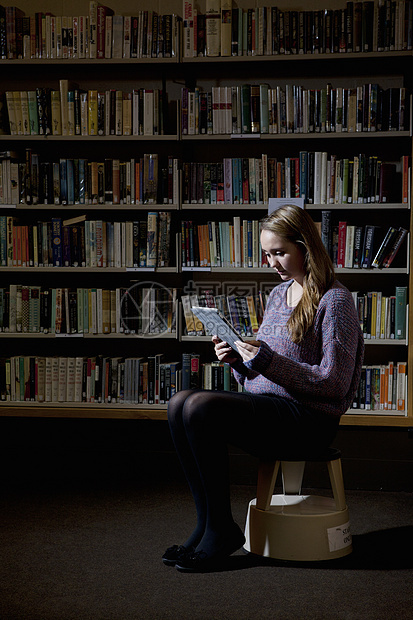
(151, 380)
(237, 243)
(232, 181)
(152, 310)
(312, 175)
(382, 316)
(98, 34)
(262, 109)
(68, 111)
(360, 247)
(136, 310)
(95, 379)
(144, 180)
(221, 244)
(95, 243)
(382, 388)
(226, 30)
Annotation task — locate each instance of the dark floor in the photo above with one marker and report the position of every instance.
(92, 551)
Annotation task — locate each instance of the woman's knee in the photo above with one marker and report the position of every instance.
(200, 407)
(176, 404)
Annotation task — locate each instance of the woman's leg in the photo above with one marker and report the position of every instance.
(188, 462)
(200, 423)
(203, 423)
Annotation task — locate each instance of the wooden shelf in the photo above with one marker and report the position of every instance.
(297, 57)
(90, 61)
(91, 269)
(264, 206)
(198, 207)
(88, 207)
(158, 412)
(25, 335)
(301, 136)
(372, 419)
(210, 59)
(8, 138)
(83, 410)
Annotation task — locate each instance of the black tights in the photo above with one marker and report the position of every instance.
(202, 424)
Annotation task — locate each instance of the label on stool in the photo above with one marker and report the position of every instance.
(339, 537)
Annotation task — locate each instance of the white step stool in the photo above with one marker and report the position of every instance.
(296, 527)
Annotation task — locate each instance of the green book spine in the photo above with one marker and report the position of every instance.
(80, 298)
(53, 318)
(33, 113)
(400, 322)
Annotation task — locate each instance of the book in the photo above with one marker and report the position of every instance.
(401, 386)
(394, 247)
(400, 312)
(213, 27)
(226, 28)
(385, 247)
(368, 246)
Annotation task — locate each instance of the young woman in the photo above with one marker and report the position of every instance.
(299, 376)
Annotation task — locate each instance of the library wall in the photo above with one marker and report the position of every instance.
(313, 72)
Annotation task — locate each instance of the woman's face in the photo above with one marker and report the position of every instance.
(285, 257)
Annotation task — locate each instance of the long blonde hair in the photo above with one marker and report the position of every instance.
(295, 225)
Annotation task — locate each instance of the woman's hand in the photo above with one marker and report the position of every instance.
(248, 350)
(224, 352)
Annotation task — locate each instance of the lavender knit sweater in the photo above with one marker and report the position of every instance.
(323, 371)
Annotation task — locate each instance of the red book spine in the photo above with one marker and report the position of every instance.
(341, 251)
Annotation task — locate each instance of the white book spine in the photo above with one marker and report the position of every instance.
(127, 20)
(62, 379)
(48, 380)
(70, 395)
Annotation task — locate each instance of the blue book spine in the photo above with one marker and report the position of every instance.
(70, 182)
(174, 369)
(303, 174)
(57, 241)
(368, 388)
(63, 181)
(249, 241)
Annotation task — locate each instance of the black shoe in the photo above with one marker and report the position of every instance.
(172, 554)
(199, 561)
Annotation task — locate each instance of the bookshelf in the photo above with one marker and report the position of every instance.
(171, 74)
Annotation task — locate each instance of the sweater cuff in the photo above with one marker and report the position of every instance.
(239, 367)
(261, 360)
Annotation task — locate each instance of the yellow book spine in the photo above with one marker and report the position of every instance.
(93, 112)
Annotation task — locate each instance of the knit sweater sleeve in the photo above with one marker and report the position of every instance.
(322, 371)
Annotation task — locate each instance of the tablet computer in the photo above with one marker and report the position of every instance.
(215, 323)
